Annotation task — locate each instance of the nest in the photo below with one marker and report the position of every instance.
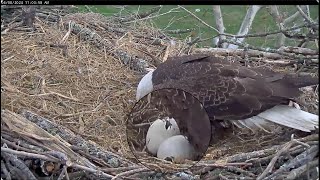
(68, 84)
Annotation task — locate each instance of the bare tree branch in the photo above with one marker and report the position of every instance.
(290, 55)
(274, 32)
(278, 17)
(246, 24)
(308, 19)
(219, 24)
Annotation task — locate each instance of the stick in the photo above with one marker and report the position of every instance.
(20, 169)
(31, 155)
(199, 19)
(134, 171)
(96, 172)
(274, 159)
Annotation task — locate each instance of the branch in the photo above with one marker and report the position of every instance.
(219, 24)
(308, 20)
(246, 24)
(238, 52)
(130, 172)
(270, 33)
(31, 155)
(274, 12)
(300, 58)
(298, 50)
(97, 172)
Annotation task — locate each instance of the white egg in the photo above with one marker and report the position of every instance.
(159, 131)
(176, 147)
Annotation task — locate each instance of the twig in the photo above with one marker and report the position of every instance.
(20, 147)
(88, 8)
(63, 173)
(239, 170)
(7, 59)
(301, 143)
(179, 31)
(120, 169)
(96, 172)
(58, 94)
(134, 171)
(195, 40)
(199, 19)
(155, 16)
(140, 16)
(31, 155)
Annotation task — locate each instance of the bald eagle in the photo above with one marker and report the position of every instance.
(245, 96)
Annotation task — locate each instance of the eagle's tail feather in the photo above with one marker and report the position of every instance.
(283, 115)
(254, 124)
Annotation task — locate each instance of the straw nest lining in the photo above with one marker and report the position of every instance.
(89, 88)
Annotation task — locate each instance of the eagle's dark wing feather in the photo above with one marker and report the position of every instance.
(227, 90)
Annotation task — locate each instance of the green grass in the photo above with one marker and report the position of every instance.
(232, 17)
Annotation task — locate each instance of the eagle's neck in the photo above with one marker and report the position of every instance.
(145, 85)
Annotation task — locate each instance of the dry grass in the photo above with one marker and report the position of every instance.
(88, 91)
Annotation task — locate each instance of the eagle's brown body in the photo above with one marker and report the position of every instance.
(229, 91)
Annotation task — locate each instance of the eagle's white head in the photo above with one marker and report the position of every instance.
(145, 85)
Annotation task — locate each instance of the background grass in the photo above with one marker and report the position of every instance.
(232, 17)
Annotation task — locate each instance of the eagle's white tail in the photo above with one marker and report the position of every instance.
(283, 115)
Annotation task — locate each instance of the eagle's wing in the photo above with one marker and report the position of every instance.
(228, 91)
